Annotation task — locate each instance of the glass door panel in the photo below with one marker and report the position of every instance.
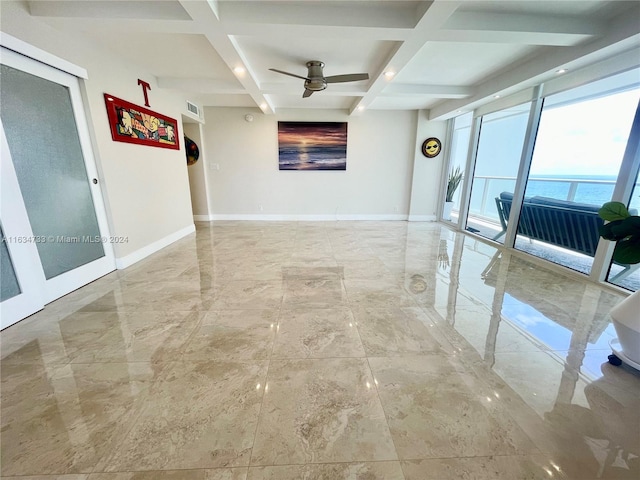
(55, 213)
(43, 140)
(9, 286)
(457, 163)
(21, 276)
(497, 161)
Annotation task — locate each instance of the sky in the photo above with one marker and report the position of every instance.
(312, 133)
(586, 138)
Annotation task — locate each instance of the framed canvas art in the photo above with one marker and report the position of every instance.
(133, 124)
(312, 145)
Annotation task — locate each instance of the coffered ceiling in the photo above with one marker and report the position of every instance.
(442, 56)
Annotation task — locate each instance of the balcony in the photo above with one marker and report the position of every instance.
(484, 220)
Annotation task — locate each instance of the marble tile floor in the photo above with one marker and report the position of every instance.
(324, 350)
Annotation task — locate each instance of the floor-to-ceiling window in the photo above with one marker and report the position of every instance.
(457, 162)
(580, 144)
(578, 149)
(628, 276)
(498, 157)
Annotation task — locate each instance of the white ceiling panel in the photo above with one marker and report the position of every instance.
(459, 64)
(317, 100)
(445, 54)
(406, 103)
(179, 55)
(215, 100)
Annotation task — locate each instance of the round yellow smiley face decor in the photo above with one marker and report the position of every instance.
(431, 147)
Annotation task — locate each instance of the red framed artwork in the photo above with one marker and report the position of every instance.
(133, 124)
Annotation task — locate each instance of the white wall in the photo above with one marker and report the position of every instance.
(248, 184)
(426, 187)
(197, 180)
(146, 189)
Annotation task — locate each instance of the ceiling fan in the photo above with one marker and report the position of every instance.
(315, 81)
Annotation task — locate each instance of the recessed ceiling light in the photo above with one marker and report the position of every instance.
(361, 107)
(263, 106)
(496, 96)
(561, 71)
(239, 70)
(389, 74)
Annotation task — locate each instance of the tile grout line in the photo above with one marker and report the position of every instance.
(266, 383)
(375, 385)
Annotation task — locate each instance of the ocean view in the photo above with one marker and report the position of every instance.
(590, 189)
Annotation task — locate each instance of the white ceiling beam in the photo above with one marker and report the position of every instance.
(441, 91)
(510, 22)
(437, 14)
(111, 25)
(510, 37)
(495, 27)
(228, 50)
(104, 9)
(201, 85)
(272, 30)
(623, 33)
(321, 13)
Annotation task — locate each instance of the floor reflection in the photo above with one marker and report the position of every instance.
(388, 349)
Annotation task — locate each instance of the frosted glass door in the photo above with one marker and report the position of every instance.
(45, 132)
(43, 140)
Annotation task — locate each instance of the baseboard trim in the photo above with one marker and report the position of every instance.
(422, 218)
(128, 260)
(202, 218)
(307, 218)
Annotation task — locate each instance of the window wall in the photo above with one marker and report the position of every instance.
(458, 161)
(497, 160)
(579, 148)
(628, 276)
(580, 142)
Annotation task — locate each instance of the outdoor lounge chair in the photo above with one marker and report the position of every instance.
(571, 225)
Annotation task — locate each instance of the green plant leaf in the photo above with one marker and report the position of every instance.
(628, 226)
(607, 231)
(611, 211)
(627, 251)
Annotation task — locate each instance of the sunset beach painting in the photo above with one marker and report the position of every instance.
(312, 145)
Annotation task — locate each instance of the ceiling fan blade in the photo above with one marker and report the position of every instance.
(350, 77)
(307, 93)
(290, 74)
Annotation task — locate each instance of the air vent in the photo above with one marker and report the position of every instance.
(193, 108)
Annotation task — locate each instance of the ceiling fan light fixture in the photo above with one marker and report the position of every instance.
(315, 81)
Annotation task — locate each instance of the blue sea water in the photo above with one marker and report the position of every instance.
(313, 157)
(552, 186)
(591, 193)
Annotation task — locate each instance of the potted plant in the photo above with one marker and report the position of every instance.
(455, 177)
(624, 229)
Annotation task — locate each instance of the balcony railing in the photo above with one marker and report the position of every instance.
(487, 188)
(483, 216)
